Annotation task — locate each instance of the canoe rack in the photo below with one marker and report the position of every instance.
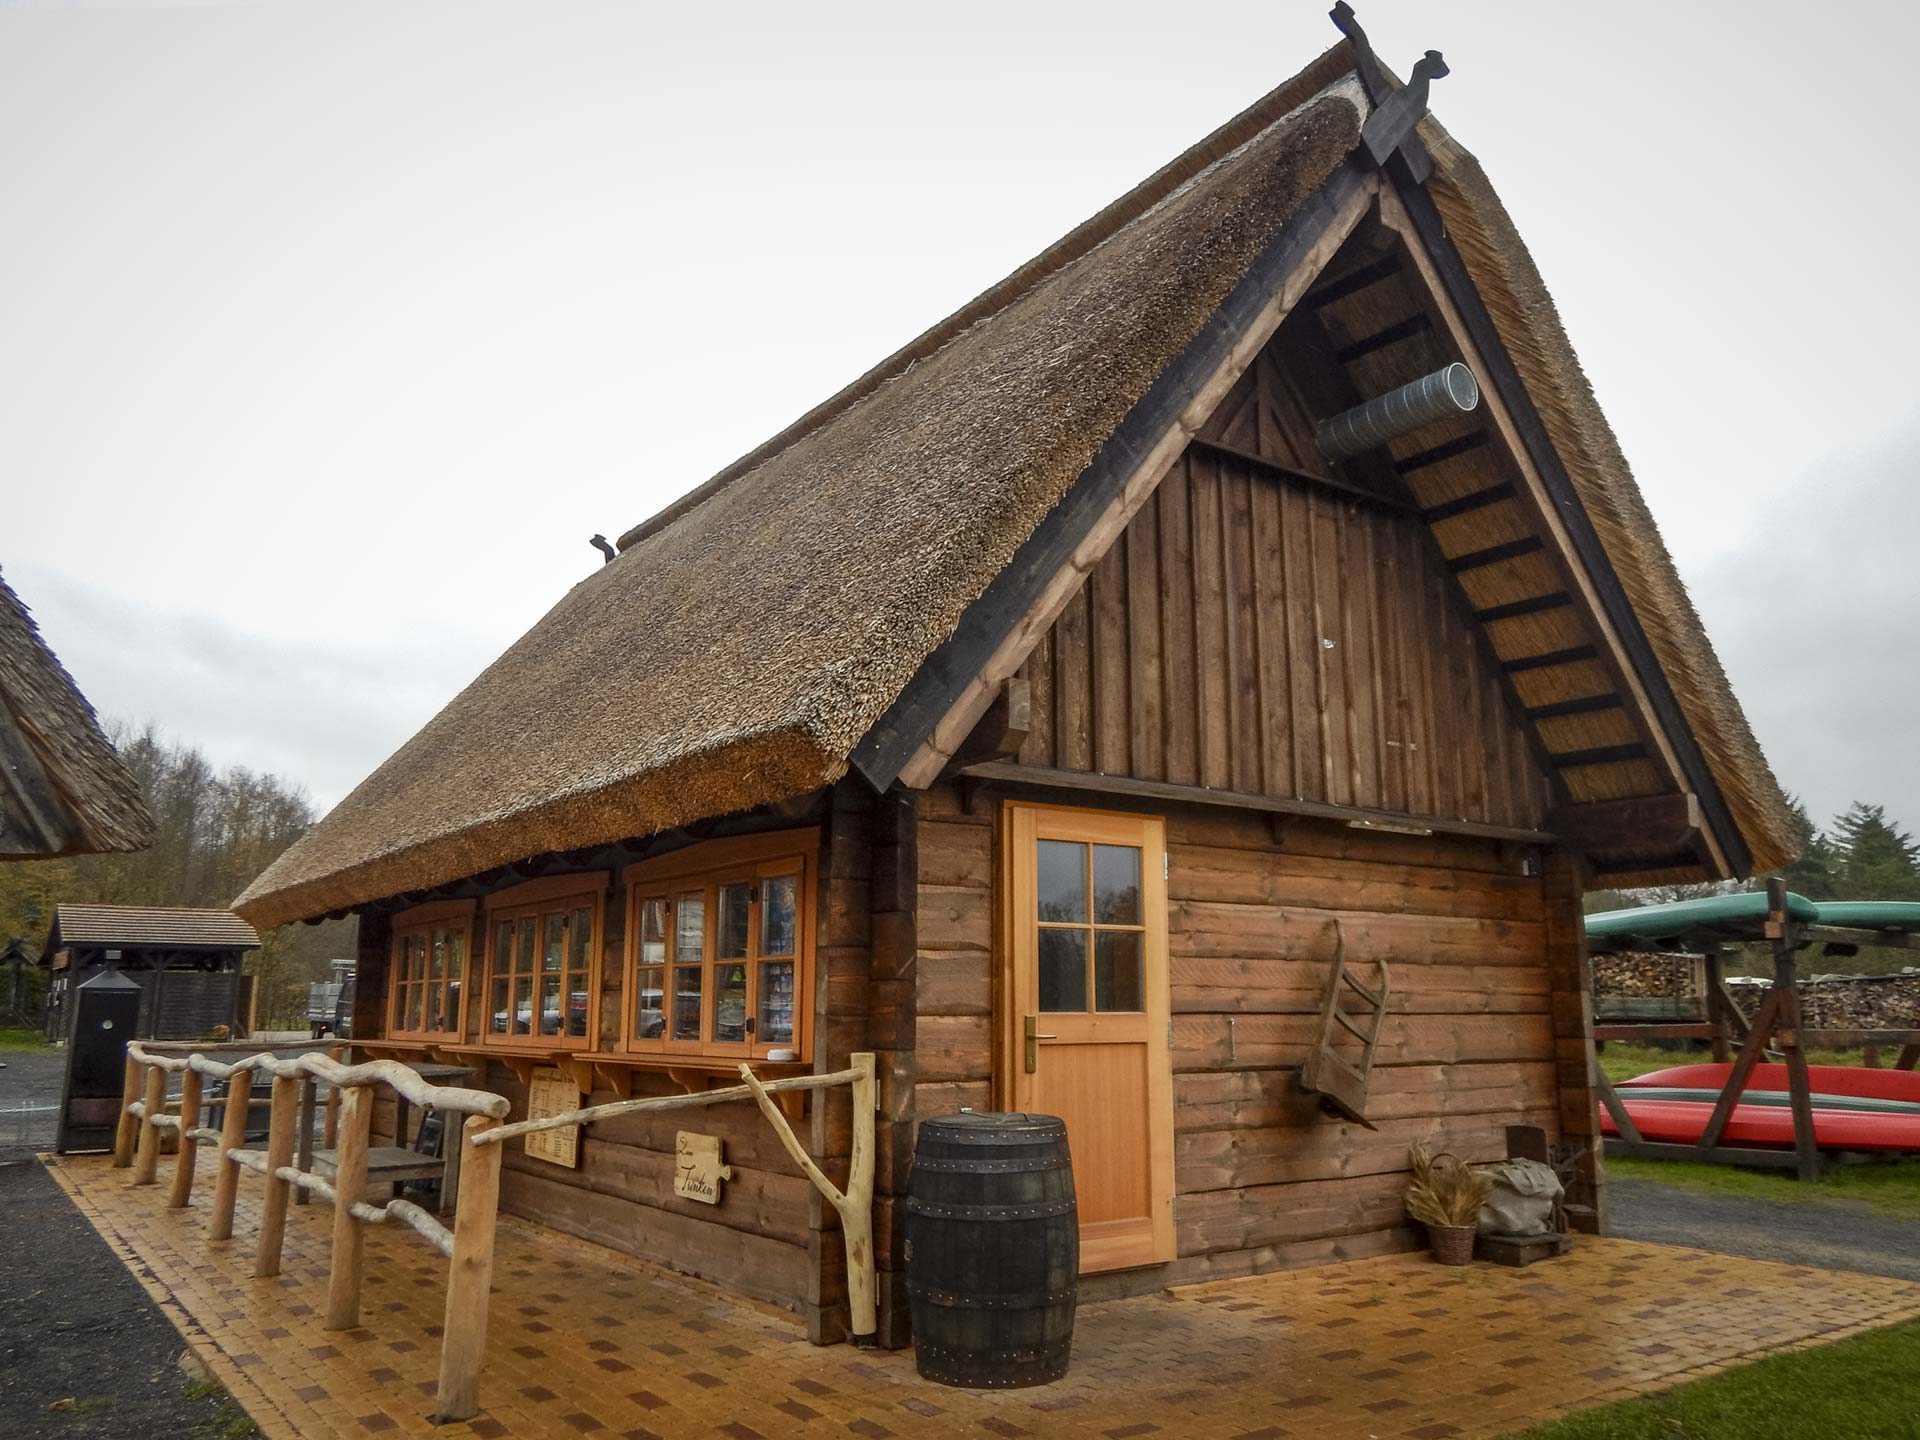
(1340, 1082)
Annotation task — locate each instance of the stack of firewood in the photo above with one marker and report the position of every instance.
(1861, 1002)
(1640, 974)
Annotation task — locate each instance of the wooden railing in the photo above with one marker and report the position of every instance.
(469, 1245)
(854, 1205)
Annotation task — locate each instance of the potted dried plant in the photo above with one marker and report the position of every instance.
(1445, 1195)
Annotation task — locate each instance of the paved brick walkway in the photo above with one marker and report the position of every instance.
(587, 1342)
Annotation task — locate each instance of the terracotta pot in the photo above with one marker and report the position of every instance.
(1452, 1244)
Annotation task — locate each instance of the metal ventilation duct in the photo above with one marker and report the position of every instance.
(1446, 392)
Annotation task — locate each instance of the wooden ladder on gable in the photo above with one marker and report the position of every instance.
(1341, 1083)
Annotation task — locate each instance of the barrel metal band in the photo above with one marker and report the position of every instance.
(962, 1300)
(970, 1166)
(938, 1211)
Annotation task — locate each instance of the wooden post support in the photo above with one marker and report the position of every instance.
(463, 1342)
(190, 1081)
(146, 1157)
(855, 1204)
(1623, 1122)
(129, 1128)
(1799, 1086)
(349, 1180)
(233, 1136)
(1757, 1036)
(283, 1118)
(1717, 1008)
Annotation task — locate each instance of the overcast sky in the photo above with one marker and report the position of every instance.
(329, 333)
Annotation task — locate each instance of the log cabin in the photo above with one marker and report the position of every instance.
(1056, 711)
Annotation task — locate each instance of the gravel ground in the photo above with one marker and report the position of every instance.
(83, 1351)
(29, 1094)
(1829, 1237)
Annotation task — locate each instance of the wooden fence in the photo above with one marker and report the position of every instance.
(469, 1245)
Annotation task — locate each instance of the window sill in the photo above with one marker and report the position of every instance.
(692, 1073)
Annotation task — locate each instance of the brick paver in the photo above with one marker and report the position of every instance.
(586, 1342)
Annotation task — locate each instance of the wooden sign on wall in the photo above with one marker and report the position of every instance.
(553, 1093)
(697, 1171)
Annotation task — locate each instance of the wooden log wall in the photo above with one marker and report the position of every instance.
(1263, 1179)
(1278, 638)
(772, 1236)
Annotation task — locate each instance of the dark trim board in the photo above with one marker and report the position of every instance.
(946, 673)
(1505, 378)
(1358, 817)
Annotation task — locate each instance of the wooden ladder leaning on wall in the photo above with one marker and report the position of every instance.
(1342, 1083)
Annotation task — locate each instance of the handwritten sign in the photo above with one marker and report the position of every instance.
(697, 1171)
(553, 1093)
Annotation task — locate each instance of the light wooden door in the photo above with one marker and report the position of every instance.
(1086, 1020)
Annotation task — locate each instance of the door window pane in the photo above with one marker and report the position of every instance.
(1119, 980)
(438, 970)
(456, 954)
(1062, 880)
(579, 970)
(555, 949)
(498, 1023)
(730, 1002)
(730, 941)
(777, 896)
(776, 1003)
(1063, 970)
(522, 1004)
(1116, 885)
(550, 1003)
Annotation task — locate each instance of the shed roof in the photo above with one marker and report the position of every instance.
(748, 637)
(64, 790)
(150, 927)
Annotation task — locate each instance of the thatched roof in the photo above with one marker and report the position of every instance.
(746, 638)
(63, 789)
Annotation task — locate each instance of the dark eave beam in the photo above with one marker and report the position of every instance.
(1496, 554)
(1652, 828)
(1274, 469)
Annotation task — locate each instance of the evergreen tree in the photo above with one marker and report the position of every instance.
(1812, 875)
(1874, 859)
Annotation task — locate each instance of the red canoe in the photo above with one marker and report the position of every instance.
(1853, 1109)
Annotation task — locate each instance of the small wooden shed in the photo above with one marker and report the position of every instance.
(188, 963)
(1050, 712)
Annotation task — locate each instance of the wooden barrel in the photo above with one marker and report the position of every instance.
(993, 1250)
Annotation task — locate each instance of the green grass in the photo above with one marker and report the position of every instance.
(19, 1040)
(1858, 1389)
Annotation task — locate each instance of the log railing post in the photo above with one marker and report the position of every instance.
(284, 1116)
(146, 1158)
(129, 1128)
(233, 1135)
(1780, 931)
(190, 1080)
(470, 1277)
(349, 1180)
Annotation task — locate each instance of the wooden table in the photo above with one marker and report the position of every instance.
(398, 1156)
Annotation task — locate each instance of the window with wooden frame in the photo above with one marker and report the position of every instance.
(427, 970)
(543, 971)
(720, 948)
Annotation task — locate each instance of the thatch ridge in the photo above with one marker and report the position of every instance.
(103, 809)
(736, 655)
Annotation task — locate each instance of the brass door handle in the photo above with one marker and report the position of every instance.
(1034, 1037)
